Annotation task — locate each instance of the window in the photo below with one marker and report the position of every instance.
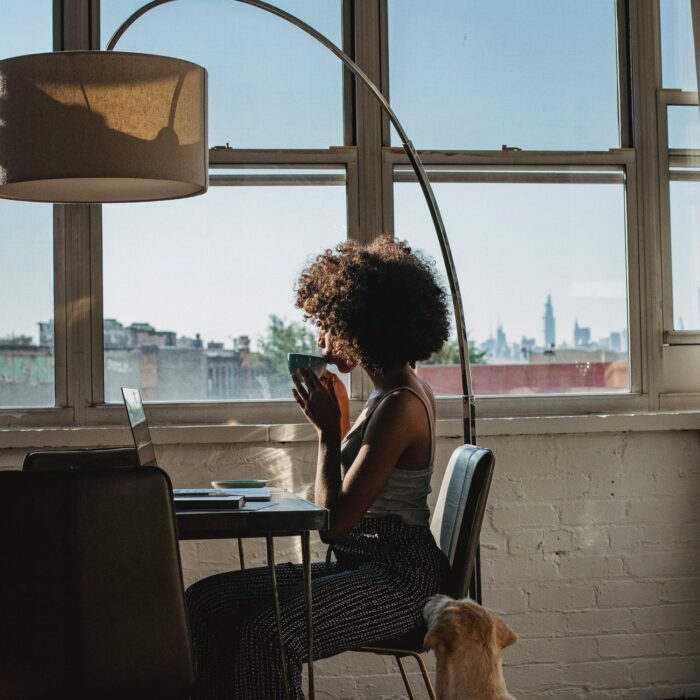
(26, 251)
(544, 296)
(536, 75)
(198, 293)
(679, 138)
(270, 85)
(539, 229)
(213, 314)
(677, 46)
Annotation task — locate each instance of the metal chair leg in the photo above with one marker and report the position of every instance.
(308, 593)
(426, 676)
(406, 682)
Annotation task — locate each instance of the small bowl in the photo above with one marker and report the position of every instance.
(297, 360)
(239, 483)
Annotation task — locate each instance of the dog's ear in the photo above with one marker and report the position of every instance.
(504, 634)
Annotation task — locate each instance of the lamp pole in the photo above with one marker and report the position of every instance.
(468, 406)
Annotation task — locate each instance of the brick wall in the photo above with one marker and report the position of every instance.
(590, 551)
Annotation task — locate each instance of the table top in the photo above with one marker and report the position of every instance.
(284, 514)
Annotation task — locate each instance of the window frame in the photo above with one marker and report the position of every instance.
(668, 158)
(369, 160)
(677, 372)
(617, 161)
(624, 159)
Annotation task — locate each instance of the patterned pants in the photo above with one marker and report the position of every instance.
(384, 574)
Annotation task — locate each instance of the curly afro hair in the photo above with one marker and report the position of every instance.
(382, 303)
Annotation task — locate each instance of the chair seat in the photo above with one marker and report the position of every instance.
(410, 643)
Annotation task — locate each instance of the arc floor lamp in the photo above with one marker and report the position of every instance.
(468, 406)
(107, 126)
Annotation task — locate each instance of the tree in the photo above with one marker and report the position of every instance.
(449, 355)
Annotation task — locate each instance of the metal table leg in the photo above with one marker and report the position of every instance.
(278, 616)
(306, 561)
(240, 553)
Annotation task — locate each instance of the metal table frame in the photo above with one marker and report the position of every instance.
(286, 516)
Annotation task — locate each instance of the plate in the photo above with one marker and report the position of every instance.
(240, 484)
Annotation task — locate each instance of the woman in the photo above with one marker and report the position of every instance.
(378, 306)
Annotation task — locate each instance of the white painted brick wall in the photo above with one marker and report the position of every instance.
(591, 552)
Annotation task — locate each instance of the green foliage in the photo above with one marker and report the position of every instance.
(449, 355)
(281, 338)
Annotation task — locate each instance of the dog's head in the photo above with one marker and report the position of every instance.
(460, 624)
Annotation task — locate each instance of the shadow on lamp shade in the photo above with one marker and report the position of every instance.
(98, 126)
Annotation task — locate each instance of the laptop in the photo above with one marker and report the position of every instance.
(146, 455)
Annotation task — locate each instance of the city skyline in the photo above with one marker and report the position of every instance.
(118, 334)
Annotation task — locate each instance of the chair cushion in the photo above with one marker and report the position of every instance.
(411, 641)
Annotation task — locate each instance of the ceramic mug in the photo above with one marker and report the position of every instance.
(297, 360)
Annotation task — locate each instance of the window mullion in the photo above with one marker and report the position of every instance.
(646, 57)
(624, 73)
(76, 32)
(369, 119)
(59, 303)
(665, 213)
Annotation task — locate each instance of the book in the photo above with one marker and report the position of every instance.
(206, 499)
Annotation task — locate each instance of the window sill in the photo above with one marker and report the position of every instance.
(90, 436)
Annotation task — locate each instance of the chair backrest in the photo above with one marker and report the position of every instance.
(102, 458)
(459, 512)
(91, 593)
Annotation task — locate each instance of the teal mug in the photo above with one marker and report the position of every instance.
(297, 360)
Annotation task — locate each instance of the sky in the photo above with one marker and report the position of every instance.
(472, 75)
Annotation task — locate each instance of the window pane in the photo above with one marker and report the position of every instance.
(270, 84)
(677, 46)
(477, 74)
(26, 249)
(542, 270)
(685, 247)
(684, 127)
(198, 293)
(26, 27)
(26, 305)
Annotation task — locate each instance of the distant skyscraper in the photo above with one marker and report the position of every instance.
(582, 336)
(501, 343)
(550, 336)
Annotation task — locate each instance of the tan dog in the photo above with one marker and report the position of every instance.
(467, 640)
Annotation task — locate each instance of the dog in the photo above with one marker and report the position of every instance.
(467, 640)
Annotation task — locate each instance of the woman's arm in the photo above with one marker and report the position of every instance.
(322, 410)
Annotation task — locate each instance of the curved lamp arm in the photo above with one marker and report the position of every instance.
(468, 407)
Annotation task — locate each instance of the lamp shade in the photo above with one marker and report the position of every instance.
(102, 126)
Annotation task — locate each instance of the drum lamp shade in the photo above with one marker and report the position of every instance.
(102, 126)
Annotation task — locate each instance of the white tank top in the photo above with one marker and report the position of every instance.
(406, 491)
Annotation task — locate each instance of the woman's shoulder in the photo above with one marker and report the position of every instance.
(407, 398)
(428, 391)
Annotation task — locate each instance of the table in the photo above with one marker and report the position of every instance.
(284, 515)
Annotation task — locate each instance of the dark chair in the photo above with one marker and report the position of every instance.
(91, 593)
(102, 458)
(456, 525)
(93, 458)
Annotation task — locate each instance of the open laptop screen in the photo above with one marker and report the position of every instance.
(139, 427)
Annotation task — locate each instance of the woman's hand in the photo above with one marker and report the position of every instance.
(317, 403)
